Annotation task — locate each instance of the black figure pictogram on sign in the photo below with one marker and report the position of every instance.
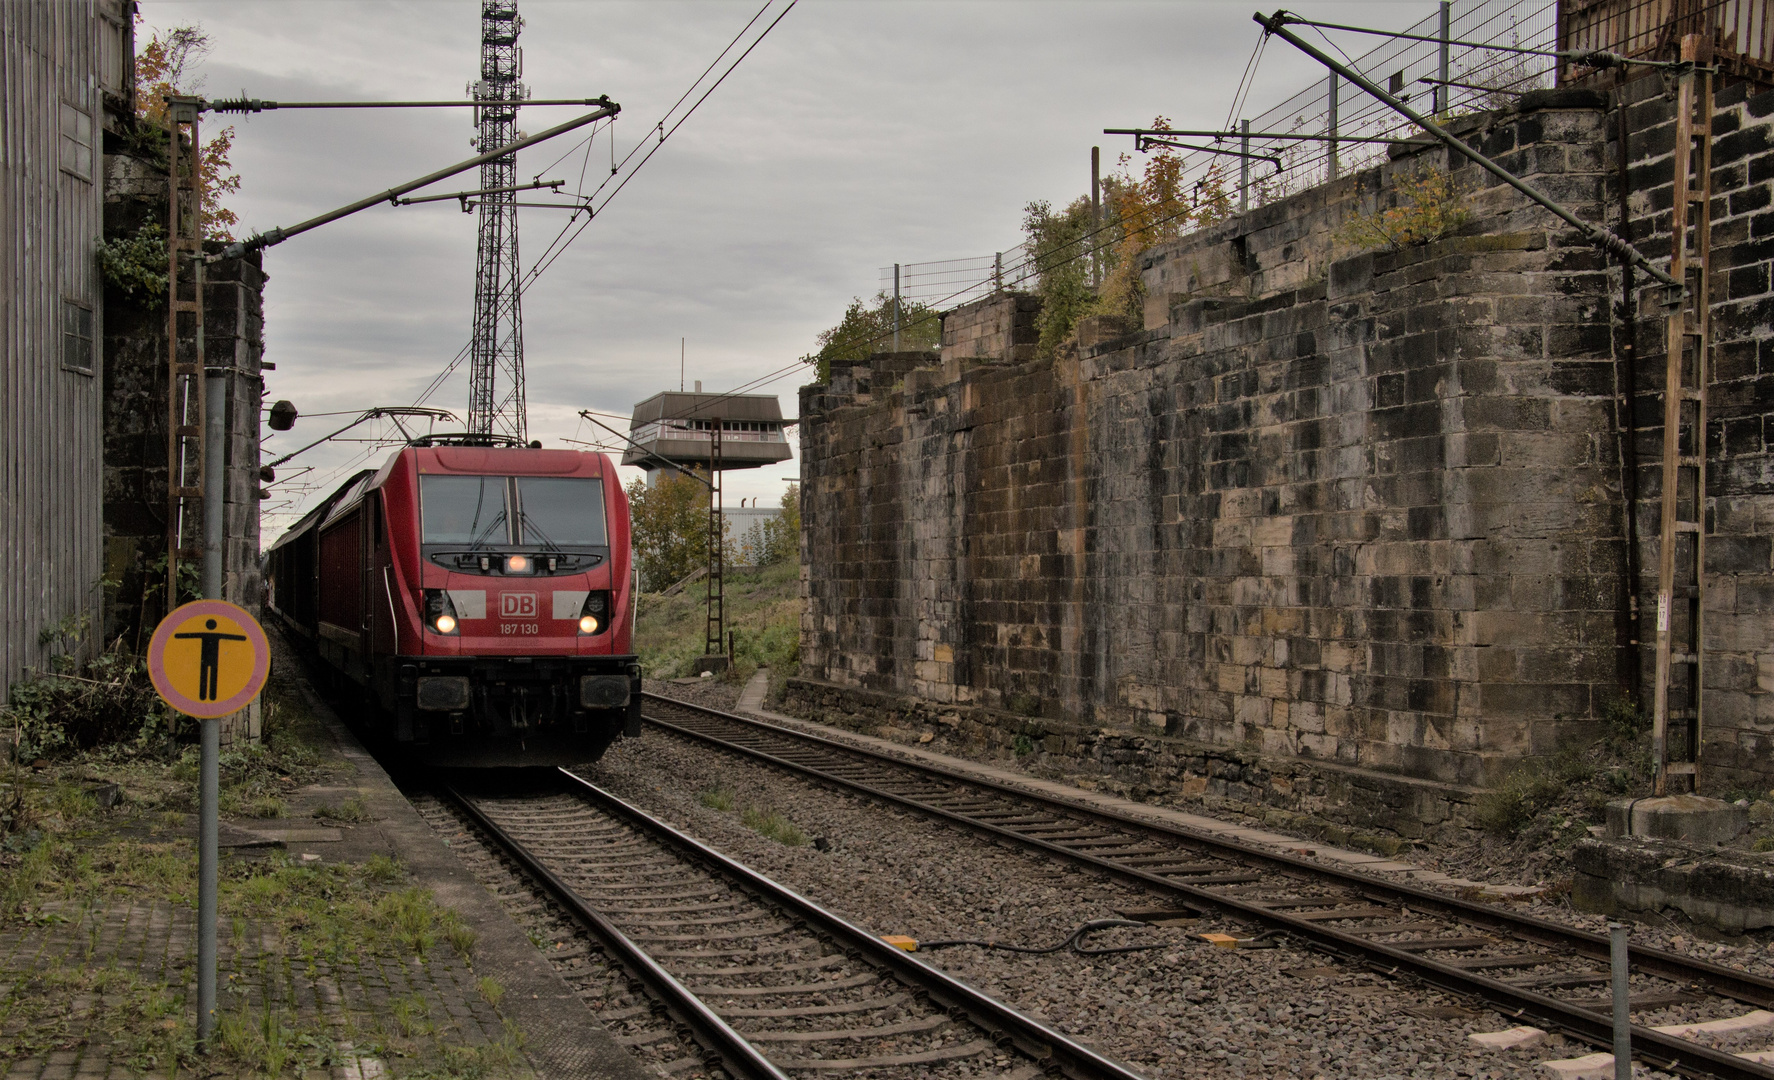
(211, 660)
(185, 658)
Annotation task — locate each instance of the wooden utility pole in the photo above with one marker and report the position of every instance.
(1681, 541)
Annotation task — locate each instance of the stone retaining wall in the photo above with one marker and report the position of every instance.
(1360, 508)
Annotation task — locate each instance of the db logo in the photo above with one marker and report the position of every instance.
(518, 605)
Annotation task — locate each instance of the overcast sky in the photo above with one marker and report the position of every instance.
(856, 135)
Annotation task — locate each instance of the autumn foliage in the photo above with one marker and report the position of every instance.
(165, 68)
(1089, 268)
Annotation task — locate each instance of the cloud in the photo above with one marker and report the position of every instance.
(857, 135)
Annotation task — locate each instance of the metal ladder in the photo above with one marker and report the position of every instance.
(184, 343)
(1681, 548)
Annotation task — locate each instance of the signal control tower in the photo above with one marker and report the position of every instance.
(681, 428)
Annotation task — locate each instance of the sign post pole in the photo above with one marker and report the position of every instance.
(207, 659)
(209, 779)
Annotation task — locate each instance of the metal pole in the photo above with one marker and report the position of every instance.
(1595, 234)
(997, 271)
(1333, 126)
(895, 307)
(1441, 89)
(215, 437)
(1244, 166)
(209, 779)
(278, 236)
(1096, 214)
(1622, 1003)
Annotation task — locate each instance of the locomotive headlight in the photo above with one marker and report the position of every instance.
(594, 611)
(440, 611)
(517, 564)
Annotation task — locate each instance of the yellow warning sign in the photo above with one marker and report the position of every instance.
(209, 658)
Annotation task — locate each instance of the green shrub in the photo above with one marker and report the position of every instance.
(1625, 721)
(1429, 206)
(1511, 805)
(136, 265)
(76, 706)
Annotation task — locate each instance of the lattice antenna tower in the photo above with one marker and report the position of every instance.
(496, 358)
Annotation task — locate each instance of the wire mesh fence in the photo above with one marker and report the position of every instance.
(951, 282)
(1440, 65)
(1353, 130)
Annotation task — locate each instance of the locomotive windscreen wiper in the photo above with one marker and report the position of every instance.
(527, 525)
(480, 540)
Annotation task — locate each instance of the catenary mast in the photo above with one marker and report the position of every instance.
(496, 367)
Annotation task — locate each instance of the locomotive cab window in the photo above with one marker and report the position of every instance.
(463, 509)
(561, 512)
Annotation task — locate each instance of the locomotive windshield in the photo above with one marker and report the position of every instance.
(544, 511)
(463, 509)
(557, 511)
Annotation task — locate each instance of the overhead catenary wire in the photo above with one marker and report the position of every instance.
(1595, 234)
(616, 168)
(557, 246)
(1033, 261)
(552, 251)
(1605, 58)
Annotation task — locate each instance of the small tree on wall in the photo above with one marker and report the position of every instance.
(1159, 205)
(1059, 244)
(163, 68)
(868, 328)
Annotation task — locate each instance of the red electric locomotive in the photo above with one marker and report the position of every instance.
(481, 595)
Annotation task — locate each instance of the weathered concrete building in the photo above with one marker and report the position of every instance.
(1334, 528)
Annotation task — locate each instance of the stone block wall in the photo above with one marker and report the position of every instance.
(1367, 509)
(1000, 327)
(1359, 507)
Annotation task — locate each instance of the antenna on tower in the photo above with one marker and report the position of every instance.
(496, 358)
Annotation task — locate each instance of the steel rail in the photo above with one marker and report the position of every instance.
(739, 1057)
(999, 1021)
(1728, 982)
(1664, 1051)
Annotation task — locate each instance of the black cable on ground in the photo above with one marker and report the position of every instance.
(1071, 942)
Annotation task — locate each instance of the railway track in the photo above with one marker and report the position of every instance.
(768, 983)
(1530, 969)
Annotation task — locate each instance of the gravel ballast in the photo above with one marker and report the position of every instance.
(1184, 1009)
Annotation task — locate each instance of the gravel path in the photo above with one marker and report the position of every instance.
(1185, 1009)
